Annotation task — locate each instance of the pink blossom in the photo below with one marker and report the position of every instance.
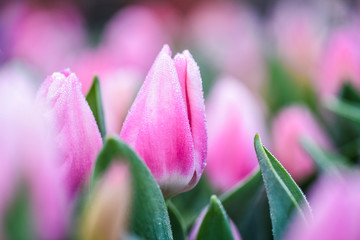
(298, 31)
(77, 136)
(335, 208)
(28, 157)
(118, 93)
(46, 38)
(234, 117)
(226, 34)
(134, 37)
(166, 124)
(289, 126)
(340, 62)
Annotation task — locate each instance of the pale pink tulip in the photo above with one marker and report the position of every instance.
(106, 214)
(289, 126)
(340, 62)
(48, 38)
(335, 206)
(234, 117)
(196, 228)
(298, 31)
(226, 34)
(134, 36)
(166, 124)
(28, 158)
(118, 93)
(77, 136)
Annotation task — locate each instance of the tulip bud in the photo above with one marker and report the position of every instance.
(106, 213)
(234, 117)
(77, 136)
(289, 127)
(166, 124)
(335, 204)
(195, 230)
(340, 62)
(28, 158)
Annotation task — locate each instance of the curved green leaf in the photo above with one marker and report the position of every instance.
(95, 102)
(177, 222)
(283, 193)
(149, 217)
(215, 224)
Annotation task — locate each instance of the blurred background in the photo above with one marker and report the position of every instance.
(268, 66)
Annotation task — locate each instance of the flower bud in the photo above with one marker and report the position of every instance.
(106, 214)
(28, 163)
(166, 123)
(289, 127)
(340, 62)
(335, 204)
(69, 116)
(234, 117)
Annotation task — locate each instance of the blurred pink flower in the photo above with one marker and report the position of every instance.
(196, 228)
(166, 124)
(227, 35)
(340, 62)
(48, 38)
(106, 213)
(234, 117)
(134, 36)
(288, 127)
(336, 206)
(298, 31)
(77, 136)
(93, 62)
(118, 92)
(28, 157)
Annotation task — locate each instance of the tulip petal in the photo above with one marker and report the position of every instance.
(196, 112)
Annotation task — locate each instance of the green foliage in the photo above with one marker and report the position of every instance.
(215, 224)
(283, 193)
(149, 216)
(95, 102)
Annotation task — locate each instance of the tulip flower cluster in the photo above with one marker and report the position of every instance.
(105, 133)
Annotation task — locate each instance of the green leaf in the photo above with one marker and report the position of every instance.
(215, 224)
(95, 102)
(345, 109)
(244, 204)
(177, 223)
(149, 217)
(18, 224)
(326, 161)
(283, 193)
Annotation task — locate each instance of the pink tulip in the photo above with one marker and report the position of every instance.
(166, 124)
(106, 214)
(335, 206)
(226, 34)
(28, 157)
(134, 36)
(340, 62)
(46, 38)
(196, 228)
(292, 124)
(77, 136)
(234, 117)
(298, 31)
(118, 93)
